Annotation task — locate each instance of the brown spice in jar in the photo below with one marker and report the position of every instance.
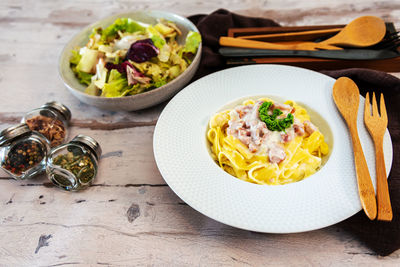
(53, 129)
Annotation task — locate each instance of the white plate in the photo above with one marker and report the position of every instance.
(325, 198)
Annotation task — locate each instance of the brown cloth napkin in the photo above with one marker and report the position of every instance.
(381, 237)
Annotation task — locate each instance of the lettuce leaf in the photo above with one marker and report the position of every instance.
(88, 60)
(156, 37)
(174, 71)
(114, 75)
(101, 74)
(193, 40)
(137, 89)
(130, 89)
(150, 69)
(83, 77)
(92, 89)
(116, 85)
(164, 29)
(123, 25)
(75, 58)
(95, 39)
(159, 83)
(95, 31)
(165, 53)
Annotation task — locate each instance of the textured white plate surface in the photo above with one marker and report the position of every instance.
(325, 198)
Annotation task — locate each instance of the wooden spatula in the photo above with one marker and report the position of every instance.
(236, 42)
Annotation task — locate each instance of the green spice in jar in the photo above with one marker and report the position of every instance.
(80, 165)
(73, 166)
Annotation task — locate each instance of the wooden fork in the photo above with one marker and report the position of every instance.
(376, 126)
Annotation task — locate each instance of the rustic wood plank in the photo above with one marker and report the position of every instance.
(75, 13)
(150, 225)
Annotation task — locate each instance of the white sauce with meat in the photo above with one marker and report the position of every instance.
(245, 124)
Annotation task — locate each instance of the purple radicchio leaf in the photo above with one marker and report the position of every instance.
(121, 67)
(135, 76)
(142, 50)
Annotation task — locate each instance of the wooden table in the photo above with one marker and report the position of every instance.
(130, 216)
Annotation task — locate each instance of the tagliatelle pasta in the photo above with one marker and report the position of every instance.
(266, 142)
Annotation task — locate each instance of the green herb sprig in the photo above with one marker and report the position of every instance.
(274, 124)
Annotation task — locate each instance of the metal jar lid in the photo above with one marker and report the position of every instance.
(10, 133)
(60, 108)
(90, 142)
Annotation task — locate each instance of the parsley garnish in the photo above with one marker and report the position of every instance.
(274, 124)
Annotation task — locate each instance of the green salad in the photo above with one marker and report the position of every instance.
(130, 57)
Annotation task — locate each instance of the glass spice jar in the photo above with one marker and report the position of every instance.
(51, 120)
(23, 153)
(73, 166)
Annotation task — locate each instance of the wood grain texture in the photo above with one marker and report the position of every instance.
(385, 212)
(376, 124)
(361, 32)
(347, 96)
(130, 216)
(308, 35)
(243, 43)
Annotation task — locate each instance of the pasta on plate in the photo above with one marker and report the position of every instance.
(266, 142)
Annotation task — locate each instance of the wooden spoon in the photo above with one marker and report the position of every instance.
(361, 32)
(346, 97)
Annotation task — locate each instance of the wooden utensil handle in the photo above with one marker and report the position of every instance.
(236, 42)
(365, 187)
(273, 36)
(382, 191)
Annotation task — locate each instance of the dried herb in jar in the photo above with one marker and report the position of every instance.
(22, 157)
(52, 129)
(79, 165)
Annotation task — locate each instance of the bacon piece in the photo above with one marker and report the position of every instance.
(309, 127)
(286, 109)
(242, 111)
(298, 129)
(282, 107)
(252, 148)
(276, 154)
(244, 136)
(286, 137)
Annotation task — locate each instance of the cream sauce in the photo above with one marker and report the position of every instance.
(246, 125)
